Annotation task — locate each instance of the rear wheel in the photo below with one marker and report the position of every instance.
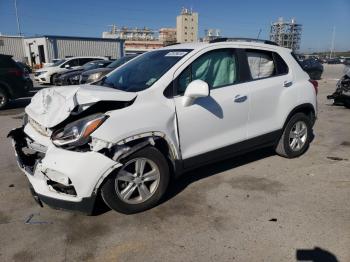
(4, 98)
(139, 184)
(296, 136)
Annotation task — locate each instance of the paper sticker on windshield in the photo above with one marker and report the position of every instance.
(176, 54)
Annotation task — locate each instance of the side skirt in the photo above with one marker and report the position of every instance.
(240, 148)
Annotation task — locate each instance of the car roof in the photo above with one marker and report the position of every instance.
(234, 44)
(74, 57)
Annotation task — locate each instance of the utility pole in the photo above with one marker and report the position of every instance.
(332, 46)
(18, 23)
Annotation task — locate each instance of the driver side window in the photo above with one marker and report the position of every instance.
(218, 68)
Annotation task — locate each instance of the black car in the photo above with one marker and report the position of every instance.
(333, 61)
(14, 81)
(72, 77)
(313, 67)
(25, 67)
(95, 74)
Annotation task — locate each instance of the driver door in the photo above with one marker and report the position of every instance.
(211, 126)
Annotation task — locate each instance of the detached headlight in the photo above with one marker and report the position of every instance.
(94, 77)
(78, 132)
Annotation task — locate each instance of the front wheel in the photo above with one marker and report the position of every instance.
(296, 136)
(139, 184)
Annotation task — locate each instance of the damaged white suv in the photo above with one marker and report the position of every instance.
(159, 115)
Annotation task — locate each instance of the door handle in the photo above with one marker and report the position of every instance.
(287, 83)
(240, 99)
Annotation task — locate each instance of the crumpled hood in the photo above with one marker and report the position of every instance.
(50, 106)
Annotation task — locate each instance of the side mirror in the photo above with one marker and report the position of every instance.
(67, 66)
(196, 89)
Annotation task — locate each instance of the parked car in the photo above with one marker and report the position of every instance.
(53, 61)
(14, 81)
(313, 67)
(341, 96)
(333, 61)
(72, 77)
(47, 74)
(25, 67)
(347, 61)
(95, 74)
(165, 112)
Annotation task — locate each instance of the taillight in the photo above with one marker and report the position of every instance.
(315, 84)
(16, 72)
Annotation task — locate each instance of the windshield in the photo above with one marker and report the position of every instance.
(59, 62)
(120, 61)
(142, 72)
(90, 65)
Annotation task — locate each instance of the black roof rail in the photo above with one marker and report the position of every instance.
(241, 39)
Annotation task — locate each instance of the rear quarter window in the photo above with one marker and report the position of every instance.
(265, 64)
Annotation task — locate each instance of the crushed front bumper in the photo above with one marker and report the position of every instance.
(83, 170)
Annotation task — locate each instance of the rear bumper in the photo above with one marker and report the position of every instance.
(60, 178)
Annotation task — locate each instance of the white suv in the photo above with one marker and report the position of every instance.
(159, 115)
(47, 74)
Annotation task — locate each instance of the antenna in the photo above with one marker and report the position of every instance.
(17, 18)
(259, 34)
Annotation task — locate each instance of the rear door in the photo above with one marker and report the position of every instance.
(270, 81)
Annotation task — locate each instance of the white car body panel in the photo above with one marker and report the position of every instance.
(51, 106)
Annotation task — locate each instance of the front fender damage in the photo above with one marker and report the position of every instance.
(119, 151)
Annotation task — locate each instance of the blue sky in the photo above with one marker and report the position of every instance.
(242, 18)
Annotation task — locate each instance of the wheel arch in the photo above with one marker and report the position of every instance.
(137, 142)
(306, 108)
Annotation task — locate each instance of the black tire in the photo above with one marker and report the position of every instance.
(115, 202)
(283, 147)
(4, 98)
(347, 103)
(53, 79)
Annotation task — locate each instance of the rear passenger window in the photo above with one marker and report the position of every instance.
(264, 64)
(261, 64)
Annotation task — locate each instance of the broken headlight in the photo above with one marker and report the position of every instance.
(78, 132)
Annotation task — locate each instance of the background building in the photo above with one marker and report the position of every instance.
(131, 34)
(167, 35)
(137, 40)
(286, 33)
(43, 49)
(12, 45)
(187, 26)
(211, 34)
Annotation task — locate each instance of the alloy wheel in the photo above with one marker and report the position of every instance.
(298, 136)
(137, 181)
